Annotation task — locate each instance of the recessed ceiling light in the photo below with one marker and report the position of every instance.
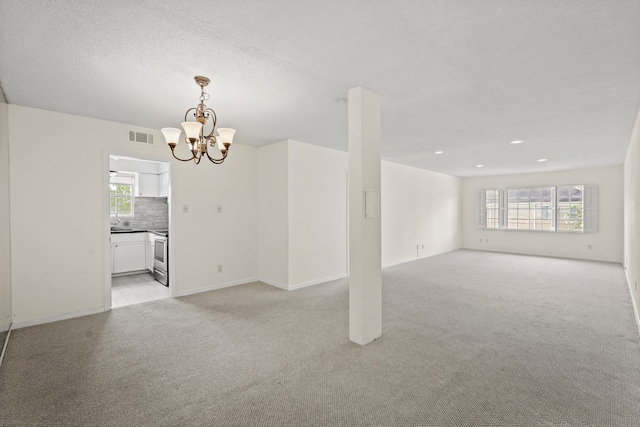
(479, 166)
(542, 160)
(516, 142)
(439, 152)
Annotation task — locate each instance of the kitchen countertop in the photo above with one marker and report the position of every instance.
(139, 230)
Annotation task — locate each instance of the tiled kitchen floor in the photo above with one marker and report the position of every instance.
(136, 288)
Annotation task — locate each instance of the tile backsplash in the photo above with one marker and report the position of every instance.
(149, 213)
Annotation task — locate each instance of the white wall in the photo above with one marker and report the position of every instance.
(274, 214)
(5, 225)
(283, 220)
(303, 213)
(317, 214)
(606, 244)
(632, 214)
(58, 244)
(421, 213)
(204, 238)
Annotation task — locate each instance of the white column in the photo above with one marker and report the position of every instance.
(365, 275)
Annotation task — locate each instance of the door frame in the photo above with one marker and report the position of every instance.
(107, 221)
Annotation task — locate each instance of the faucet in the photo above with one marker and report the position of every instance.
(117, 217)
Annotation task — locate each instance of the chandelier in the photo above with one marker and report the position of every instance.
(198, 141)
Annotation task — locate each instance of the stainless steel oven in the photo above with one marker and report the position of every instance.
(161, 259)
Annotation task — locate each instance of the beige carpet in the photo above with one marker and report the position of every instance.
(470, 339)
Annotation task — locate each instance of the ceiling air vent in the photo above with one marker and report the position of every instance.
(140, 137)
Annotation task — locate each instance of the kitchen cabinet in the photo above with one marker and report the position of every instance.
(147, 185)
(163, 185)
(152, 185)
(150, 243)
(128, 252)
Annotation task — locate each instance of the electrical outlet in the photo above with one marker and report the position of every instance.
(185, 208)
(589, 247)
(422, 246)
(220, 268)
(486, 240)
(219, 208)
(480, 240)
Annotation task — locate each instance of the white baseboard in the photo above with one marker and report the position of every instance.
(5, 328)
(3, 345)
(274, 284)
(317, 282)
(56, 318)
(215, 287)
(304, 284)
(540, 254)
(633, 302)
(403, 261)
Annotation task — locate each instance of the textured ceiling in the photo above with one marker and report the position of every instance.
(465, 77)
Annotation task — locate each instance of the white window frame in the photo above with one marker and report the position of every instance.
(123, 179)
(589, 208)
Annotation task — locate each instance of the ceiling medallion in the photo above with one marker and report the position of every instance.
(197, 141)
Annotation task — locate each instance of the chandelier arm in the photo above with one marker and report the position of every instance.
(186, 115)
(214, 120)
(217, 161)
(178, 158)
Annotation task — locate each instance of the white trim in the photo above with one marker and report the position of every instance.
(5, 328)
(106, 224)
(56, 318)
(4, 345)
(107, 219)
(633, 303)
(215, 287)
(316, 282)
(404, 261)
(274, 284)
(541, 254)
(304, 284)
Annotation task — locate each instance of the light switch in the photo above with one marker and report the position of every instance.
(219, 208)
(185, 208)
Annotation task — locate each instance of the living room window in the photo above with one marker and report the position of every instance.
(563, 208)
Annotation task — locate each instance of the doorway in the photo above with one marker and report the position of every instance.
(137, 195)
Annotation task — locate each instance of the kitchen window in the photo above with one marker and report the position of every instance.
(121, 200)
(563, 208)
(121, 186)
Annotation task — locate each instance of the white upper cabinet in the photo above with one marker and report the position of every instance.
(152, 178)
(163, 184)
(147, 185)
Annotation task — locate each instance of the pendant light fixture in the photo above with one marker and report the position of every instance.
(197, 141)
